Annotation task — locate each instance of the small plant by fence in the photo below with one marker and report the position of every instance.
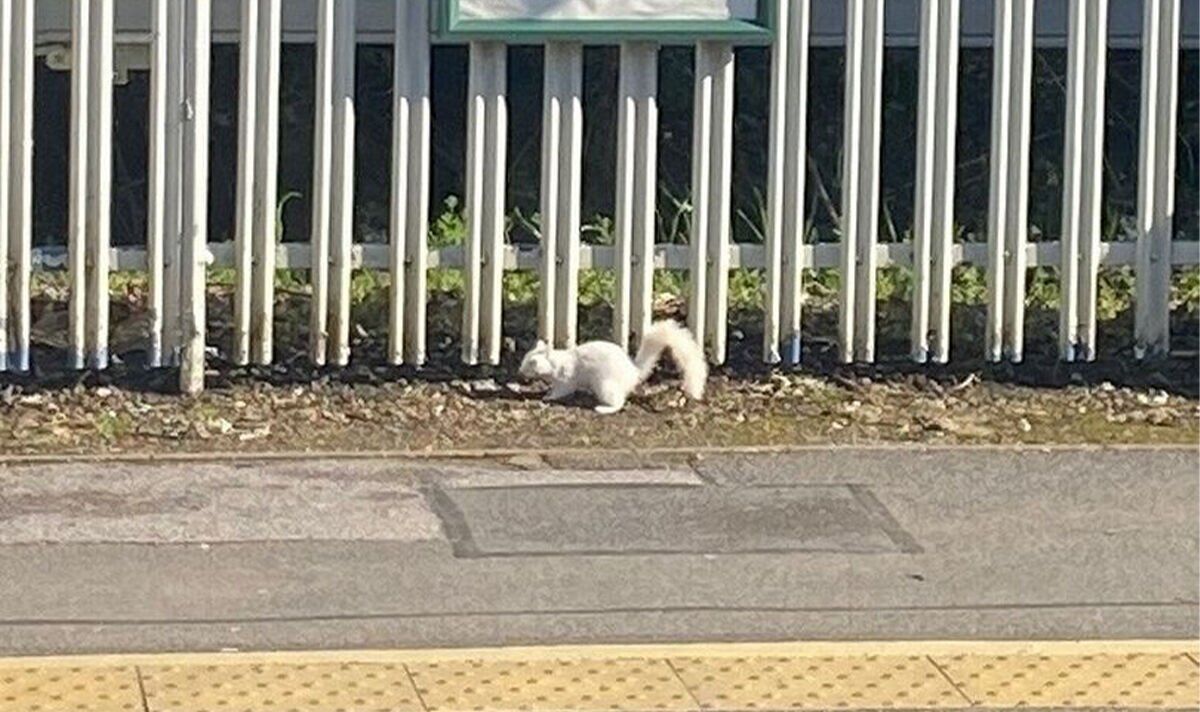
(178, 253)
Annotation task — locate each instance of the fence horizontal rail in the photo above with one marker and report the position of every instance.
(298, 256)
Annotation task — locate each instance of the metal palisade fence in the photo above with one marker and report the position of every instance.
(177, 252)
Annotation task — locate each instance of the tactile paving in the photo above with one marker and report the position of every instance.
(817, 682)
(852, 676)
(346, 687)
(69, 689)
(612, 684)
(1089, 681)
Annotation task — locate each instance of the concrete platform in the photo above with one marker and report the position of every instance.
(836, 545)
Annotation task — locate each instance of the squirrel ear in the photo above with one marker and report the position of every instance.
(540, 345)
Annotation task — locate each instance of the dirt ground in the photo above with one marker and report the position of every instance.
(447, 406)
(379, 408)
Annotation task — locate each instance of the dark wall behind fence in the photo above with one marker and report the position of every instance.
(373, 150)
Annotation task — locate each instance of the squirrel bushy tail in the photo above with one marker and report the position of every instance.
(686, 353)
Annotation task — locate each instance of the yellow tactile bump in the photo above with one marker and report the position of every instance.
(69, 689)
(1098, 680)
(817, 682)
(612, 684)
(345, 687)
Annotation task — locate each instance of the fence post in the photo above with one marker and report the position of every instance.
(77, 198)
(342, 210)
(1017, 222)
(99, 212)
(1009, 182)
(645, 192)
(852, 138)
(787, 162)
(1156, 178)
(720, 197)
(6, 57)
(478, 84)
(156, 174)
(197, 21)
(244, 209)
(487, 122)
(173, 200)
(711, 124)
(1093, 162)
(495, 161)
(410, 183)
(868, 194)
(998, 179)
(637, 152)
(20, 233)
(322, 186)
(552, 126)
(266, 173)
(933, 216)
(944, 163)
(1082, 151)
(860, 178)
(563, 146)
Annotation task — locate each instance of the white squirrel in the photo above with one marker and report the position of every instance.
(603, 369)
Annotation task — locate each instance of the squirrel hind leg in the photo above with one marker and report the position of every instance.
(611, 397)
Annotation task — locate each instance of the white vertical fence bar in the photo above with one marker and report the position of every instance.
(197, 21)
(720, 196)
(478, 85)
(777, 195)
(627, 89)
(1156, 178)
(933, 217)
(564, 63)
(795, 164)
(495, 162)
(706, 71)
(244, 207)
(869, 173)
(6, 55)
(851, 168)
(1072, 181)
(998, 179)
(410, 183)
(323, 110)
(156, 174)
(1017, 205)
(943, 205)
(342, 209)
(20, 233)
(99, 204)
(77, 208)
(552, 124)
(173, 200)
(923, 191)
(562, 145)
(638, 73)
(266, 176)
(1082, 150)
(1009, 195)
(1093, 176)
(487, 130)
(643, 59)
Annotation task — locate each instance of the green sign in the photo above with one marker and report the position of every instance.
(606, 21)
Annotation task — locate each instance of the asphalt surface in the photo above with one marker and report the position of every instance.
(614, 548)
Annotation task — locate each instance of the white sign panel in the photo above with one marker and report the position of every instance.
(607, 10)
